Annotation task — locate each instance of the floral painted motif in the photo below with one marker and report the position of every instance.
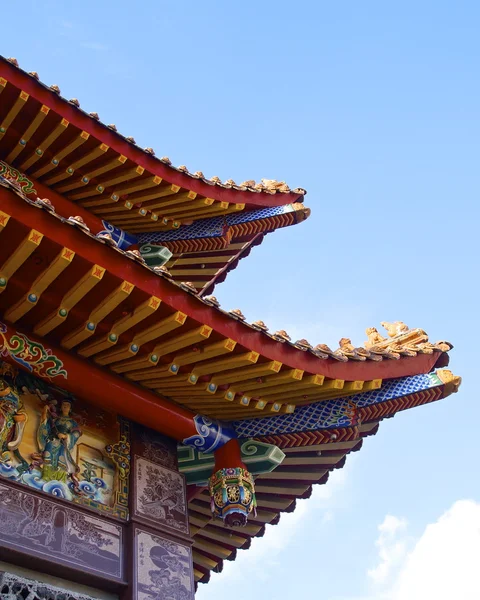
(20, 181)
(31, 355)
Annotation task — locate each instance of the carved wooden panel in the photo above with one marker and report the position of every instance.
(163, 568)
(160, 496)
(59, 533)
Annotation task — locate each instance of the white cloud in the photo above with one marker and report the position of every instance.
(391, 550)
(442, 564)
(445, 561)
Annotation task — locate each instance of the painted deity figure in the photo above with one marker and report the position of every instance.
(13, 419)
(56, 438)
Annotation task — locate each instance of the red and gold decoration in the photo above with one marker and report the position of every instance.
(112, 353)
(233, 496)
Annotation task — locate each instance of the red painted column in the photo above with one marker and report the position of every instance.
(229, 456)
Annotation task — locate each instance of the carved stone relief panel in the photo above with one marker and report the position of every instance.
(160, 496)
(14, 587)
(57, 532)
(155, 447)
(163, 569)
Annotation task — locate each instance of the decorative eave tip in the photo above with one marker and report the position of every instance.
(452, 382)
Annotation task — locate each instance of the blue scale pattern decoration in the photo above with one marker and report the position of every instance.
(214, 227)
(332, 414)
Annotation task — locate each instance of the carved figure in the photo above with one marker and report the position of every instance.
(373, 337)
(394, 329)
(13, 418)
(56, 437)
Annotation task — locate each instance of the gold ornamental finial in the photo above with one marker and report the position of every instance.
(452, 382)
(394, 329)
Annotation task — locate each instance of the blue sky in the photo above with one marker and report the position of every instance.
(373, 107)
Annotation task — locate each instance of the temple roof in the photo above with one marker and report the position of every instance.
(310, 456)
(79, 291)
(151, 326)
(209, 225)
(54, 140)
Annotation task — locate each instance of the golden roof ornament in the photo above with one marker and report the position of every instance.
(107, 239)
(135, 255)
(14, 61)
(303, 344)
(452, 382)
(282, 336)
(394, 329)
(162, 269)
(272, 185)
(79, 222)
(75, 102)
(113, 127)
(95, 116)
(260, 325)
(402, 341)
(166, 160)
(55, 89)
(212, 300)
(188, 285)
(374, 337)
(150, 151)
(348, 349)
(46, 203)
(35, 75)
(237, 313)
(131, 139)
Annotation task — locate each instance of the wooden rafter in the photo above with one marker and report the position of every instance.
(154, 332)
(106, 306)
(28, 133)
(63, 153)
(45, 145)
(42, 282)
(70, 299)
(20, 254)
(13, 112)
(141, 312)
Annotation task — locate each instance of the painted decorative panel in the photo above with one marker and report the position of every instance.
(160, 496)
(163, 569)
(335, 413)
(55, 443)
(60, 533)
